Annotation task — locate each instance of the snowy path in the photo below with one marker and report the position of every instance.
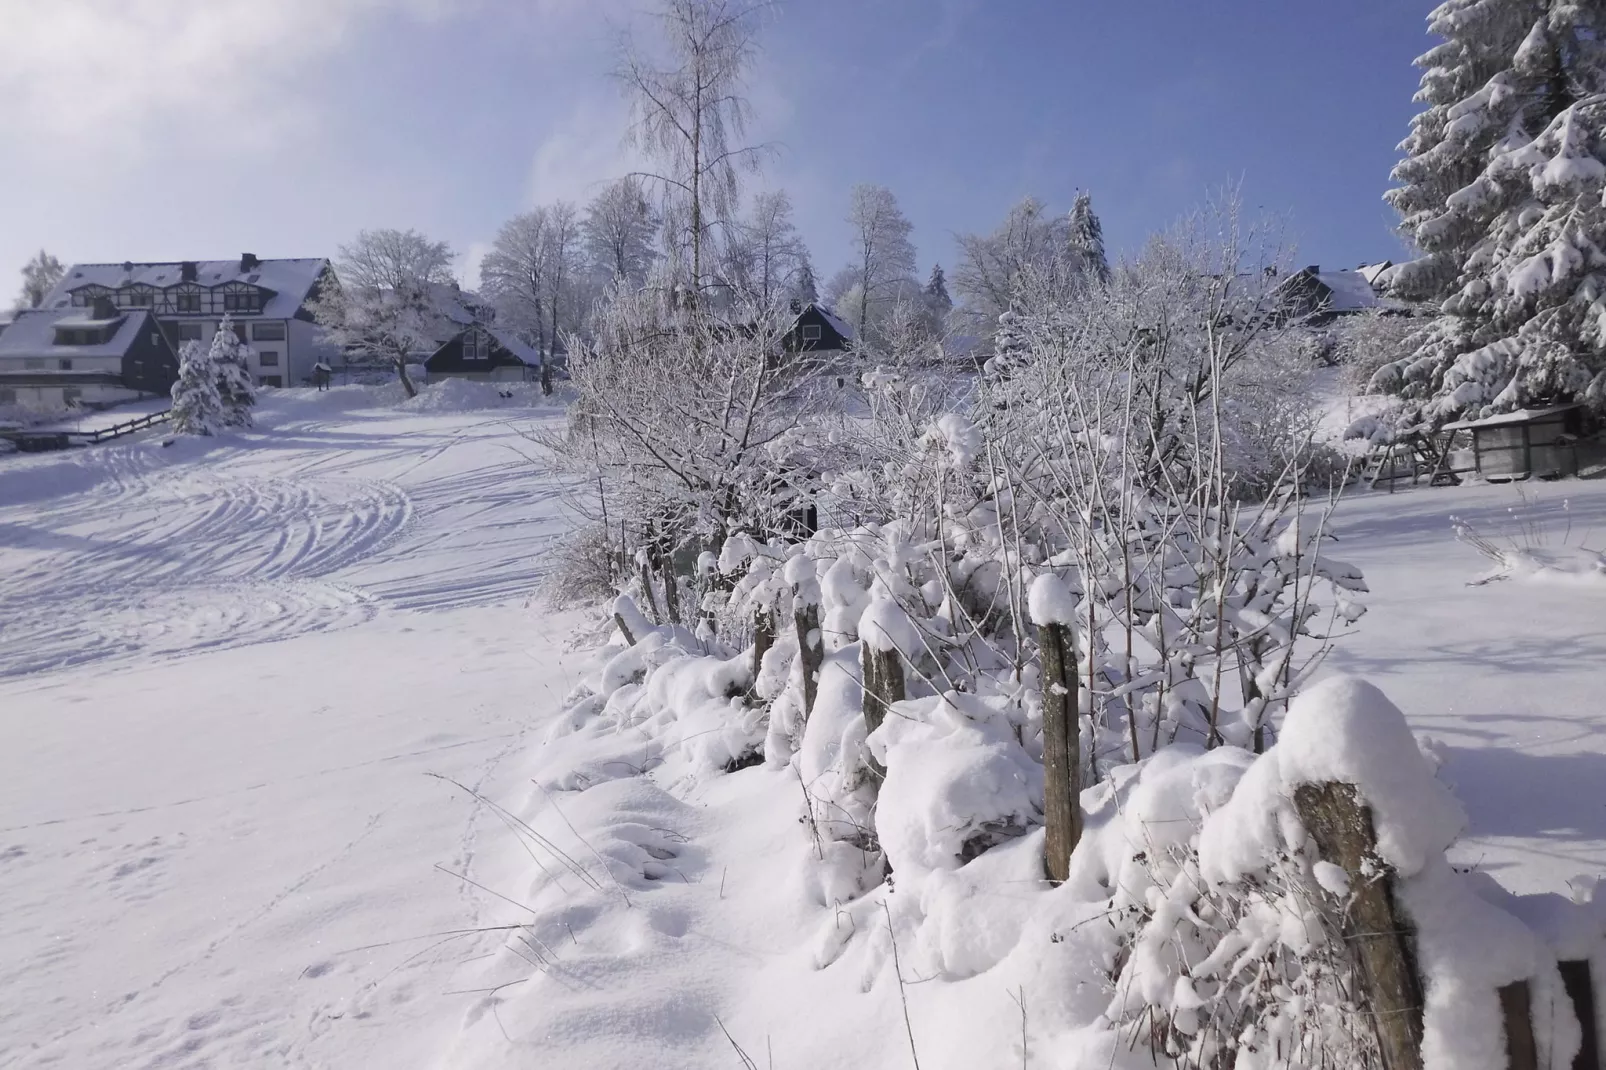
(217, 849)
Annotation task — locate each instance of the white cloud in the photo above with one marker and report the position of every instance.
(97, 73)
(583, 151)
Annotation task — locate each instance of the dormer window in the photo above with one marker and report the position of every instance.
(189, 302)
(474, 347)
(242, 302)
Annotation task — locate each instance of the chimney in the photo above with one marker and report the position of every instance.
(103, 309)
(186, 271)
(128, 267)
(249, 262)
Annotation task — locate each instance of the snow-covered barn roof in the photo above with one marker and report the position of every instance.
(290, 281)
(1371, 272)
(33, 333)
(1508, 419)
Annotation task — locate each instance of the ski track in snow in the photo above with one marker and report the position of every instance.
(157, 559)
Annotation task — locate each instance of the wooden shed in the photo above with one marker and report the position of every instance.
(1526, 444)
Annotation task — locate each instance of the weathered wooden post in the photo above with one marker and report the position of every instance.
(1374, 926)
(763, 639)
(1580, 986)
(881, 666)
(1062, 810)
(1051, 609)
(806, 621)
(1516, 1007)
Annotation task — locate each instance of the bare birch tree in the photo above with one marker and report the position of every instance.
(883, 255)
(690, 116)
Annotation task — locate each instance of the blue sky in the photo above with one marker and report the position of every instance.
(187, 129)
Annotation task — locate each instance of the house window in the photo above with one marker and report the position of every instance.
(33, 363)
(268, 359)
(241, 303)
(471, 346)
(70, 395)
(65, 364)
(191, 332)
(156, 338)
(239, 331)
(269, 380)
(267, 332)
(8, 396)
(187, 302)
(811, 332)
(139, 300)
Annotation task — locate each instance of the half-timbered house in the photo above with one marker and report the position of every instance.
(57, 358)
(267, 301)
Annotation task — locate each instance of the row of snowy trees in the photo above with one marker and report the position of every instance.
(214, 389)
(1502, 190)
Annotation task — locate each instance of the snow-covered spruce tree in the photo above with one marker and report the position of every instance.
(1525, 323)
(229, 357)
(197, 409)
(1448, 147)
(1086, 240)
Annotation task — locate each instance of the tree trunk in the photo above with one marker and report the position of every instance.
(1580, 986)
(1516, 1007)
(883, 685)
(671, 590)
(1062, 809)
(1374, 926)
(647, 593)
(810, 653)
(406, 380)
(546, 376)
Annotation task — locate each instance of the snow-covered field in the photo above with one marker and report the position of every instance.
(228, 669)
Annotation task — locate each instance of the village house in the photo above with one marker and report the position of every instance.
(1319, 298)
(267, 301)
(484, 353)
(56, 358)
(817, 330)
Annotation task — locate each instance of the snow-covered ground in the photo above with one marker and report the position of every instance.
(228, 669)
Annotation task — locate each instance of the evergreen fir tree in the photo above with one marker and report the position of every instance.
(197, 409)
(804, 288)
(936, 292)
(1009, 345)
(1525, 322)
(1087, 240)
(1448, 146)
(235, 390)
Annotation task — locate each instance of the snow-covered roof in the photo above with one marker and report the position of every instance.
(1351, 291)
(836, 323)
(1371, 272)
(33, 334)
(1506, 419)
(289, 280)
(517, 348)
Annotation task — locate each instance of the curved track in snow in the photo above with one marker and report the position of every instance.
(125, 552)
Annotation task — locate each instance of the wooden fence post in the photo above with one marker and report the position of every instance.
(1062, 811)
(763, 639)
(1580, 986)
(883, 685)
(810, 652)
(1374, 926)
(1516, 1007)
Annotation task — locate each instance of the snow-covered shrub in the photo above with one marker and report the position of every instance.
(691, 423)
(1368, 341)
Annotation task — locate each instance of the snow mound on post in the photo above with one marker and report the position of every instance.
(1049, 601)
(885, 627)
(1344, 730)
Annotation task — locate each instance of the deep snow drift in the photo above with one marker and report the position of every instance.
(227, 669)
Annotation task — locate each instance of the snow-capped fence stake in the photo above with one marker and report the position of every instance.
(1062, 812)
(624, 630)
(763, 639)
(1516, 1007)
(1374, 927)
(1580, 986)
(810, 653)
(883, 685)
